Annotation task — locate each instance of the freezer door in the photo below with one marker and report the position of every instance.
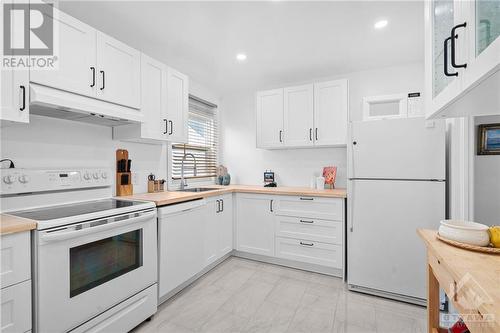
(384, 252)
(397, 149)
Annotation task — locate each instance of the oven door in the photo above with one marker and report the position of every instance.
(84, 269)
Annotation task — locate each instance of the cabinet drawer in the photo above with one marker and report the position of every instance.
(314, 229)
(16, 308)
(16, 258)
(313, 207)
(308, 251)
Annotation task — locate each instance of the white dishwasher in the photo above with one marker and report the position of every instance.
(180, 240)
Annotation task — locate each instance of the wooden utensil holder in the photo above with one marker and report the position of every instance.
(123, 188)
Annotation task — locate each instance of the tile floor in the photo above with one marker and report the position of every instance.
(247, 296)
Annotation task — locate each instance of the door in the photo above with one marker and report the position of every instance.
(177, 106)
(298, 116)
(153, 98)
(211, 235)
(118, 77)
(181, 246)
(255, 224)
(398, 149)
(269, 105)
(76, 265)
(76, 64)
(483, 29)
(383, 247)
(14, 102)
(225, 225)
(330, 113)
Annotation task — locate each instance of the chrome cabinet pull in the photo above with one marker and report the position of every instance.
(308, 199)
(306, 244)
(271, 205)
(93, 77)
(171, 127)
(310, 134)
(316, 134)
(23, 107)
(222, 205)
(306, 221)
(166, 126)
(103, 80)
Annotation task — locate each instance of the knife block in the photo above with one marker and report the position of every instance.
(123, 179)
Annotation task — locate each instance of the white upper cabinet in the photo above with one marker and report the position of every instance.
(298, 115)
(330, 113)
(118, 79)
(462, 58)
(76, 62)
(177, 106)
(311, 115)
(270, 118)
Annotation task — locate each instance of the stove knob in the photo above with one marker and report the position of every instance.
(95, 175)
(9, 179)
(24, 179)
(104, 175)
(86, 176)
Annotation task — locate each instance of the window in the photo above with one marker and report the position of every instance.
(202, 142)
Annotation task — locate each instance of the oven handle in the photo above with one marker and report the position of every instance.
(62, 235)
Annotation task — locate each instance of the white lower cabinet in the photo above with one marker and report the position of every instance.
(309, 228)
(15, 275)
(255, 223)
(309, 251)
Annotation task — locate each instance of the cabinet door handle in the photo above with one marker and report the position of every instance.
(316, 134)
(445, 54)
(93, 76)
(171, 127)
(271, 205)
(23, 98)
(103, 80)
(222, 205)
(306, 221)
(453, 46)
(166, 126)
(310, 134)
(281, 132)
(309, 199)
(218, 206)
(306, 244)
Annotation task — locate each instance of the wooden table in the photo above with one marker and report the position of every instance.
(470, 279)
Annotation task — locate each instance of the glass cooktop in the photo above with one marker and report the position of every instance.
(75, 209)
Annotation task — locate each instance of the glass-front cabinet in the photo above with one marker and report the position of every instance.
(462, 57)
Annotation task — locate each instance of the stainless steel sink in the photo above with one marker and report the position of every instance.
(198, 189)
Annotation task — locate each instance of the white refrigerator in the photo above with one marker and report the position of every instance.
(397, 183)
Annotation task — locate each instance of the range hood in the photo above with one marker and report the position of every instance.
(55, 103)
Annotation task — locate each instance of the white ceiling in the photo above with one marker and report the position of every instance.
(284, 41)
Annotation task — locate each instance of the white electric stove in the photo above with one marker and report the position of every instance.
(94, 257)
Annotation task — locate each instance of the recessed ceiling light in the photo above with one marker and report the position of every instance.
(241, 57)
(380, 24)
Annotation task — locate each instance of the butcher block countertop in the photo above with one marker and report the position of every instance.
(470, 279)
(172, 197)
(10, 224)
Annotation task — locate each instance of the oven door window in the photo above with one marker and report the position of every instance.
(95, 263)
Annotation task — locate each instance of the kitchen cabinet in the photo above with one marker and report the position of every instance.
(462, 57)
(298, 115)
(270, 118)
(177, 106)
(92, 64)
(153, 129)
(310, 115)
(330, 113)
(15, 276)
(76, 70)
(14, 99)
(255, 224)
(218, 228)
(118, 80)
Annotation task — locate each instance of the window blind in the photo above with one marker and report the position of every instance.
(202, 142)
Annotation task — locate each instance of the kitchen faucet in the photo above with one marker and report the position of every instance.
(184, 181)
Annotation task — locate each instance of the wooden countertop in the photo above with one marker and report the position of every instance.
(10, 224)
(474, 272)
(171, 197)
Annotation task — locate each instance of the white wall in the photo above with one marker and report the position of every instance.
(296, 167)
(486, 182)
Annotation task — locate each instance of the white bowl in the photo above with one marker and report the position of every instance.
(465, 232)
